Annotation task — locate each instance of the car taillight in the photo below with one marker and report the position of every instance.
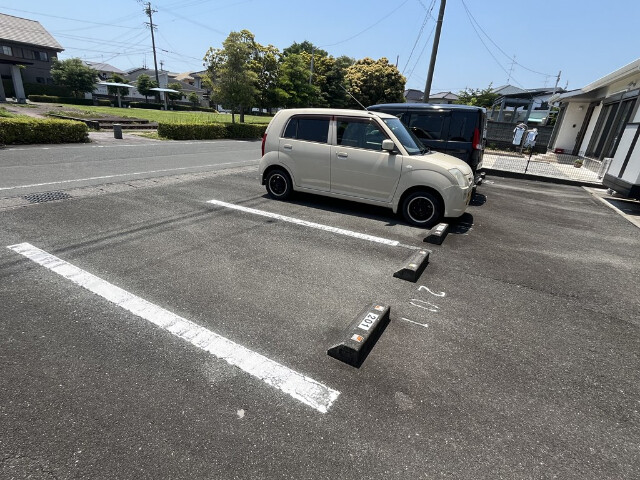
(264, 139)
(476, 139)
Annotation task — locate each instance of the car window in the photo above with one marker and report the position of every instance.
(359, 133)
(404, 135)
(427, 126)
(312, 129)
(462, 126)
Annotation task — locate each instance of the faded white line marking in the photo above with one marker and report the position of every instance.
(300, 387)
(127, 174)
(304, 223)
(425, 325)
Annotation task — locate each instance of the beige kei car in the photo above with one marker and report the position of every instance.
(363, 156)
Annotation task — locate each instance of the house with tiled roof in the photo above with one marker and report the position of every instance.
(417, 96)
(26, 51)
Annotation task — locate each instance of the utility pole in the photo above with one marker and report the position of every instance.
(434, 52)
(149, 11)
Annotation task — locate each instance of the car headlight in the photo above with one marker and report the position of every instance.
(462, 180)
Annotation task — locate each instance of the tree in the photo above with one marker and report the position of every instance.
(374, 81)
(175, 96)
(305, 46)
(194, 99)
(75, 75)
(333, 92)
(266, 65)
(144, 84)
(294, 89)
(122, 91)
(230, 70)
(478, 97)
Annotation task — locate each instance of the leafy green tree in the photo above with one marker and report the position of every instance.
(175, 96)
(75, 75)
(194, 99)
(294, 89)
(374, 81)
(266, 65)
(333, 90)
(230, 70)
(478, 97)
(122, 91)
(144, 84)
(305, 46)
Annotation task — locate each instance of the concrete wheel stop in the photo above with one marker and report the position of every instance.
(437, 234)
(414, 266)
(357, 340)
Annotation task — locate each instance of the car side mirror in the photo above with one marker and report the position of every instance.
(388, 145)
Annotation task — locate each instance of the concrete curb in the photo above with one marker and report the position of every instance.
(414, 266)
(361, 335)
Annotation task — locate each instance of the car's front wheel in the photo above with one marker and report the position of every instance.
(422, 209)
(278, 183)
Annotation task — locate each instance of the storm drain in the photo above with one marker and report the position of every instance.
(46, 197)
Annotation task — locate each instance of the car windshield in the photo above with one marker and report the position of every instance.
(409, 141)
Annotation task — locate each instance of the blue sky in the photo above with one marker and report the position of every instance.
(585, 39)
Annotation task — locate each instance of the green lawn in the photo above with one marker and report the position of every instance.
(5, 113)
(165, 116)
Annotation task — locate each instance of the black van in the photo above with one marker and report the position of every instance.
(457, 130)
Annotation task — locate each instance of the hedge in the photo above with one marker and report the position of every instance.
(148, 106)
(52, 99)
(209, 131)
(45, 89)
(23, 130)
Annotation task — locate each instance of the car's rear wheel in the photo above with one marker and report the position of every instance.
(422, 209)
(278, 184)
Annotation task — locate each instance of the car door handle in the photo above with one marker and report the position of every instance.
(286, 146)
(342, 155)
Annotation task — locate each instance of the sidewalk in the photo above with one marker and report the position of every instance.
(558, 168)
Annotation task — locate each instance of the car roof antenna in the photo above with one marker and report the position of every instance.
(363, 107)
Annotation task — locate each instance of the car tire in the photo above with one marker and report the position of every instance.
(278, 183)
(422, 209)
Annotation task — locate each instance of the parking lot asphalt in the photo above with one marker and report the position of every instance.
(515, 355)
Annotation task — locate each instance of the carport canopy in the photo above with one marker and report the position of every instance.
(164, 92)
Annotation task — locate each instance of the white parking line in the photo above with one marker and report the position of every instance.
(300, 387)
(319, 226)
(250, 162)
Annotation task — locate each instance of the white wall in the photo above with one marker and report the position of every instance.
(568, 133)
(590, 129)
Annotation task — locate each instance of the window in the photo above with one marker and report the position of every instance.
(311, 129)
(427, 126)
(7, 50)
(462, 126)
(360, 133)
(43, 56)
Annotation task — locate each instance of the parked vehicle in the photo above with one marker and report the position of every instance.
(458, 130)
(368, 157)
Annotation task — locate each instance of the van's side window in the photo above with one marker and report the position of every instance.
(427, 126)
(462, 126)
(312, 129)
(359, 133)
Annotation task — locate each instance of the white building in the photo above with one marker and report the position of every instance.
(601, 121)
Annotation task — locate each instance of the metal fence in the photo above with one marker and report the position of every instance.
(561, 166)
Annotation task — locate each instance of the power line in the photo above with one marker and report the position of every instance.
(368, 28)
(66, 18)
(424, 23)
(473, 20)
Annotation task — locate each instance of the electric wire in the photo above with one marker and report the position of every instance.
(368, 28)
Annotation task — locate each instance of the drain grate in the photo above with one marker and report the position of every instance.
(46, 197)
